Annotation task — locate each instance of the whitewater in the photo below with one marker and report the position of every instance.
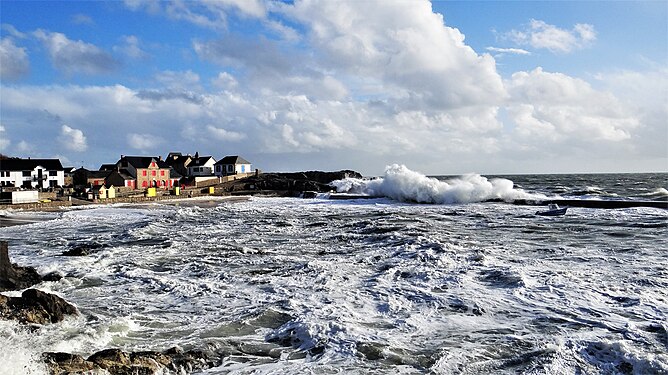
(387, 285)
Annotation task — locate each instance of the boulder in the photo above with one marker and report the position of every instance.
(35, 306)
(13, 277)
(118, 362)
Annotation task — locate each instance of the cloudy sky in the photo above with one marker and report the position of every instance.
(443, 87)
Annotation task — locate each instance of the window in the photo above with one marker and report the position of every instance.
(143, 173)
(162, 173)
(218, 168)
(26, 173)
(53, 173)
(144, 184)
(153, 173)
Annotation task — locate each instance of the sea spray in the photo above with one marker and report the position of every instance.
(402, 184)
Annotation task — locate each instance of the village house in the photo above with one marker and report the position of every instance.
(179, 162)
(230, 165)
(31, 173)
(147, 171)
(201, 166)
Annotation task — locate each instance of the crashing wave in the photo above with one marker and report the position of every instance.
(402, 184)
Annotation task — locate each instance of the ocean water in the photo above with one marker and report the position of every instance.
(373, 286)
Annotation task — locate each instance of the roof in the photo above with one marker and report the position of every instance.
(144, 161)
(233, 160)
(174, 174)
(16, 164)
(98, 174)
(177, 160)
(107, 167)
(202, 160)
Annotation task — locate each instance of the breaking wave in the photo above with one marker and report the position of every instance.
(402, 184)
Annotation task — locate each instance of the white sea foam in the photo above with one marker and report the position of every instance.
(403, 184)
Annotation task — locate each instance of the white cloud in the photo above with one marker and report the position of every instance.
(505, 51)
(205, 13)
(225, 135)
(180, 80)
(82, 19)
(225, 80)
(144, 142)
(131, 47)
(72, 139)
(556, 107)
(14, 63)
(540, 34)
(75, 56)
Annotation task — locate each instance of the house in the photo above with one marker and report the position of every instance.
(147, 171)
(120, 178)
(104, 192)
(201, 166)
(230, 165)
(84, 178)
(31, 173)
(179, 162)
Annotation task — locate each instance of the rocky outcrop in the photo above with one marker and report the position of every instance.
(289, 184)
(83, 249)
(13, 277)
(118, 362)
(35, 306)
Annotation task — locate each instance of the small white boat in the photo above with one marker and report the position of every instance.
(553, 209)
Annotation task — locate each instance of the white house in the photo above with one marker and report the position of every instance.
(201, 166)
(232, 165)
(31, 173)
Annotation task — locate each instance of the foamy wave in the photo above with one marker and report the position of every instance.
(403, 184)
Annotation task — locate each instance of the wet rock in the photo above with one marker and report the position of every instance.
(82, 249)
(13, 277)
(35, 306)
(118, 362)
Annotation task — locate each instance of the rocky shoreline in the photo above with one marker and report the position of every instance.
(37, 308)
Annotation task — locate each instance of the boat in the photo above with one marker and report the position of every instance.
(553, 209)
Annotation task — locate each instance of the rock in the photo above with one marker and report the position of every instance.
(13, 277)
(35, 306)
(82, 249)
(118, 362)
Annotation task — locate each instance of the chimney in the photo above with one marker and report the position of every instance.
(160, 157)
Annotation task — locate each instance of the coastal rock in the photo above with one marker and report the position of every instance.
(289, 184)
(13, 277)
(35, 306)
(118, 362)
(83, 249)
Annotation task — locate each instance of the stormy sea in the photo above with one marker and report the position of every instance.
(434, 275)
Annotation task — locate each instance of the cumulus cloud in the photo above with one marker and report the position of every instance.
(72, 139)
(72, 56)
(556, 107)
(404, 46)
(539, 34)
(180, 80)
(14, 63)
(131, 47)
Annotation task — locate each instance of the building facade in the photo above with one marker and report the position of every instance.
(31, 173)
(230, 165)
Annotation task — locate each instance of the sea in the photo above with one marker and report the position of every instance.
(433, 275)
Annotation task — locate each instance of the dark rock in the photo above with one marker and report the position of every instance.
(35, 306)
(13, 277)
(52, 276)
(82, 249)
(118, 362)
(288, 184)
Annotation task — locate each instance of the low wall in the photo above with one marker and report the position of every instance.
(39, 206)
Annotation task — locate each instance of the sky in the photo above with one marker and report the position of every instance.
(452, 87)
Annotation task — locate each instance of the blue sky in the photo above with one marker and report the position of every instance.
(443, 87)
